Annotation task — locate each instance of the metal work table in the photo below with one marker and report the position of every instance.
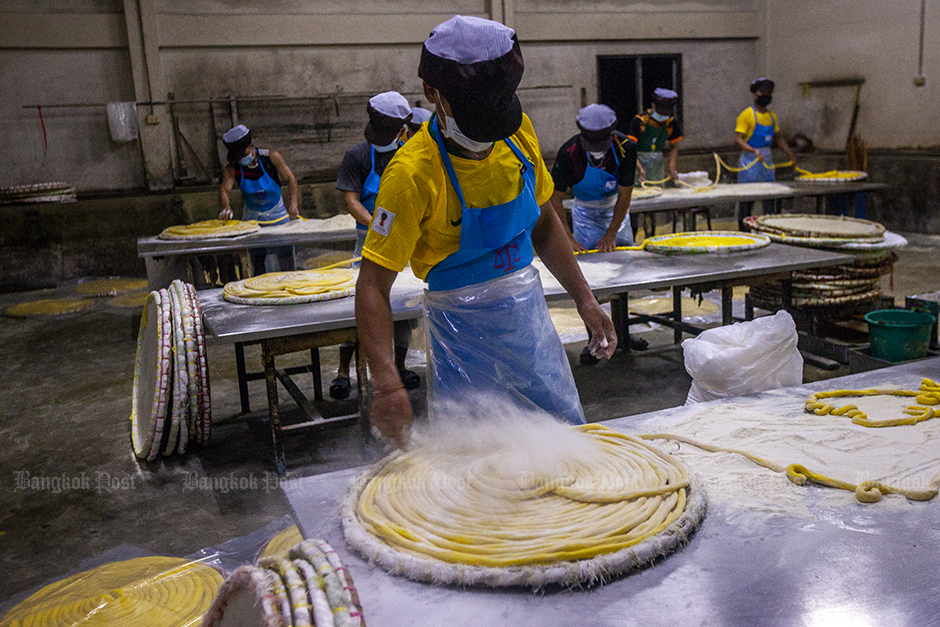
(229, 323)
(167, 260)
(853, 564)
(156, 247)
(287, 329)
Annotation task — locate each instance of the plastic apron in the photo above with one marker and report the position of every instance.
(761, 139)
(649, 151)
(489, 333)
(594, 198)
(263, 201)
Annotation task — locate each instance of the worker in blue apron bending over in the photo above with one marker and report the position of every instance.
(598, 165)
(466, 202)
(755, 133)
(358, 180)
(259, 173)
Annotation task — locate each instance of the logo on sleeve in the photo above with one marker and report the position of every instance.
(382, 221)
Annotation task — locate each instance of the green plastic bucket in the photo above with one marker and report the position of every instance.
(899, 334)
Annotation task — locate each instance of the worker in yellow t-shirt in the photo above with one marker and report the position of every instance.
(756, 131)
(466, 202)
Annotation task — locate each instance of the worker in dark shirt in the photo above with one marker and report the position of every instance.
(358, 180)
(656, 133)
(599, 165)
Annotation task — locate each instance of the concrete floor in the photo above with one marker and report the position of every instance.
(66, 400)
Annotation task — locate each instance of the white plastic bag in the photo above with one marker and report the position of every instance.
(743, 358)
(122, 121)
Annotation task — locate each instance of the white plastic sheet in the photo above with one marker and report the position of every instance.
(122, 121)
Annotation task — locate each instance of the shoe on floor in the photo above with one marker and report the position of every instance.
(587, 359)
(409, 378)
(638, 344)
(339, 388)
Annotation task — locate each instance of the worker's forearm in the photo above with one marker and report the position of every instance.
(357, 210)
(224, 202)
(552, 246)
(620, 210)
(744, 146)
(293, 195)
(559, 208)
(374, 326)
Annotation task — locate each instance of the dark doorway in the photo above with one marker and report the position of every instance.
(626, 84)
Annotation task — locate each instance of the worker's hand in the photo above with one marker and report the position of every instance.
(759, 156)
(391, 414)
(603, 340)
(607, 243)
(226, 214)
(292, 211)
(576, 246)
(674, 175)
(641, 173)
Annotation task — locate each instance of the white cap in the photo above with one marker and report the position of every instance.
(467, 39)
(391, 104)
(664, 93)
(596, 117)
(235, 134)
(420, 115)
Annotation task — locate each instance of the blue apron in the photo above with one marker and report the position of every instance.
(262, 198)
(594, 198)
(494, 241)
(489, 332)
(370, 190)
(761, 139)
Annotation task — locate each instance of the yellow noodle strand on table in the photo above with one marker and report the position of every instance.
(144, 592)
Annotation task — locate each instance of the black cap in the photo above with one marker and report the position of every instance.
(388, 112)
(477, 65)
(762, 84)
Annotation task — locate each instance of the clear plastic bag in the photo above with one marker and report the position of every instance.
(497, 338)
(743, 358)
(122, 121)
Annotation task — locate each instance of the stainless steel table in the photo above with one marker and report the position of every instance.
(858, 565)
(284, 329)
(165, 260)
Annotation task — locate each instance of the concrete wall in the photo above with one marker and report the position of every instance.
(878, 41)
(300, 71)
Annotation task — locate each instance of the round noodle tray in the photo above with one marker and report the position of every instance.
(749, 241)
(645, 193)
(820, 225)
(291, 300)
(203, 423)
(152, 373)
(210, 229)
(851, 176)
(598, 569)
(250, 595)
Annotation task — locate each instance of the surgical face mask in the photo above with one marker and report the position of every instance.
(763, 100)
(389, 147)
(452, 131)
(659, 117)
(247, 159)
(597, 156)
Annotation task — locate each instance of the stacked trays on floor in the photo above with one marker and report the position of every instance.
(37, 192)
(307, 587)
(855, 284)
(171, 405)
